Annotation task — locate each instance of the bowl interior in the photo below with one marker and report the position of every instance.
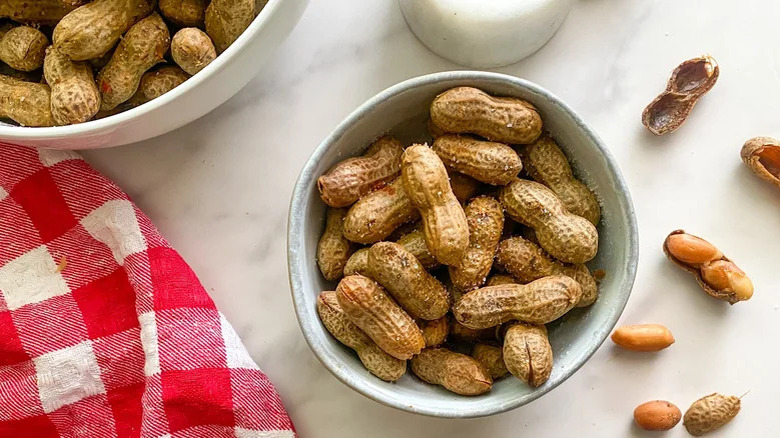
(403, 111)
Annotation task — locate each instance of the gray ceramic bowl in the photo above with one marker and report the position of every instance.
(402, 110)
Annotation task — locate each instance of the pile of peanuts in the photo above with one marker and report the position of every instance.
(106, 56)
(444, 257)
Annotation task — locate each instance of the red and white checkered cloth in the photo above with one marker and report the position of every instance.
(104, 329)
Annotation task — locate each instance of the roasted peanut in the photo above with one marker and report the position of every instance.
(93, 29)
(192, 49)
(486, 161)
(226, 20)
(711, 412)
(435, 331)
(762, 156)
(357, 263)
(379, 213)
(333, 249)
(26, 103)
(716, 274)
(352, 178)
(498, 279)
(184, 13)
(643, 337)
(368, 306)
(462, 333)
(414, 242)
(470, 110)
(74, 95)
(464, 187)
(444, 221)
(657, 415)
(689, 82)
(545, 162)
(485, 218)
(456, 372)
(375, 360)
(538, 302)
(528, 354)
(566, 236)
(23, 48)
(525, 261)
(492, 358)
(47, 12)
(404, 277)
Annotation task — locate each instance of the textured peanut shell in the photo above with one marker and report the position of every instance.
(485, 217)
(47, 12)
(414, 242)
(566, 236)
(462, 333)
(428, 187)
(711, 412)
(435, 332)
(184, 13)
(74, 95)
(464, 187)
(357, 263)
(456, 372)
(526, 262)
(226, 20)
(492, 358)
(379, 213)
(528, 353)
(405, 278)
(375, 360)
(368, 306)
(498, 279)
(486, 161)
(93, 29)
(141, 48)
(154, 83)
(192, 49)
(23, 48)
(657, 415)
(354, 177)
(435, 130)
(470, 110)
(538, 302)
(762, 156)
(546, 163)
(26, 103)
(333, 249)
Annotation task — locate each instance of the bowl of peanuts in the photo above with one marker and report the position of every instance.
(460, 245)
(81, 74)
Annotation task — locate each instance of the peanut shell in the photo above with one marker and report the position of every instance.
(192, 49)
(435, 331)
(414, 242)
(333, 249)
(74, 95)
(456, 372)
(46, 12)
(379, 213)
(485, 217)
(492, 358)
(184, 13)
(762, 156)
(26, 103)
(710, 413)
(528, 354)
(23, 48)
(486, 161)
(226, 20)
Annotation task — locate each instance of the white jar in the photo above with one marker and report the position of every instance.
(484, 33)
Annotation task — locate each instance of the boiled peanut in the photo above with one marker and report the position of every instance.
(498, 279)
(368, 306)
(435, 130)
(26, 103)
(538, 302)
(357, 263)
(503, 119)
(93, 29)
(47, 12)
(485, 218)
(528, 354)
(657, 415)
(492, 358)
(711, 412)
(23, 48)
(74, 95)
(379, 213)
(226, 20)
(462, 333)
(154, 84)
(545, 162)
(414, 242)
(762, 156)
(435, 331)
(716, 274)
(184, 13)
(567, 237)
(444, 221)
(456, 372)
(375, 360)
(404, 277)
(643, 337)
(464, 187)
(333, 249)
(354, 177)
(525, 261)
(486, 161)
(192, 49)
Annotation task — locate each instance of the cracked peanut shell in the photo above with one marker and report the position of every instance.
(528, 354)
(762, 156)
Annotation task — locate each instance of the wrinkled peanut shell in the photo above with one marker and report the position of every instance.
(762, 156)
(710, 413)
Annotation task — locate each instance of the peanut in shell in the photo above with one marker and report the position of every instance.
(485, 217)
(333, 249)
(762, 156)
(376, 215)
(486, 161)
(710, 413)
(528, 354)
(456, 372)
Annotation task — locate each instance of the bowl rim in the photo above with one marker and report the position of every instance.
(295, 238)
(11, 132)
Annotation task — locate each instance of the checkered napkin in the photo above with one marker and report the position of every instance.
(104, 329)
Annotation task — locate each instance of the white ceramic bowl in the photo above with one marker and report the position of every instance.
(402, 110)
(208, 89)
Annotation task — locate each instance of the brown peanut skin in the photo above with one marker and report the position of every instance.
(538, 302)
(567, 237)
(486, 161)
(226, 20)
(710, 413)
(368, 306)
(405, 278)
(435, 332)
(527, 262)
(333, 249)
(762, 156)
(503, 119)
(354, 177)
(192, 49)
(74, 95)
(485, 217)
(444, 221)
(93, 29)
(657, 415)
(375, 360)
(184, 13)
(141, 48)
(26, 103)
(492, 358)
(46, 12)
(456, 372)
(643, 337)
(528, 354)
(23, 48)
(546, 163)
(379, 213)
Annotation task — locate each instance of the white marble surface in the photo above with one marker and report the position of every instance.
(219, 191)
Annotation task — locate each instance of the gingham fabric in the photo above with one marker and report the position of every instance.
(104, 329)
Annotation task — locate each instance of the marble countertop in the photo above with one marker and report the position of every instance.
(219, 190)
